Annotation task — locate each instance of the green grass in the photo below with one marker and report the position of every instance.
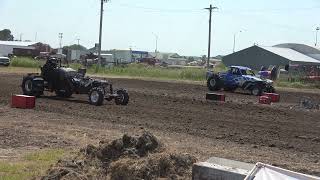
(220, 68)
(31, 165)
(50, 155)
(140, 70)
(132, 70)
(144, 71)
(297, 84)
(75, 66)
(25, 62)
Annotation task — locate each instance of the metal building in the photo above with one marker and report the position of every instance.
(6, 47)
(257, 56)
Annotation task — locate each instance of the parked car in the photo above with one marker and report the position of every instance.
(5, 61)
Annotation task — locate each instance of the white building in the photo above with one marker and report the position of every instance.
(76, 54)
(6, 47)
(120, 56)
(126, 56)
(169, 58)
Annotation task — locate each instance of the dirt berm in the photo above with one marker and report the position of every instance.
(133, 158)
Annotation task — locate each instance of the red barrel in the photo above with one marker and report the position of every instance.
(273, 96)
(23, 101)
(264, 100)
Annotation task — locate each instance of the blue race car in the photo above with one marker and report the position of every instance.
(239, 77)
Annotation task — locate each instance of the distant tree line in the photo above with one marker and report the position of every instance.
(5, 35)
(75, 47)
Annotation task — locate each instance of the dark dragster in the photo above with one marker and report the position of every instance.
(67, 81)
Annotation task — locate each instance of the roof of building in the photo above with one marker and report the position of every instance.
(140, 52)
(17, 43)
(163, 55)
(302, 48)
(311, 51)
(290, 54)
(315, 56)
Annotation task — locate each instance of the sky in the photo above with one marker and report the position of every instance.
(181, 25)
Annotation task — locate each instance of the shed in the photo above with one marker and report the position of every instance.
(257, 56)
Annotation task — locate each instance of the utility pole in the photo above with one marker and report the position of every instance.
(317, 30)
(157, 37)
(156, 43)
(234, 41)
(209, 43)
(60, 39)
(21, 36)
(100, 31)
(78, 41)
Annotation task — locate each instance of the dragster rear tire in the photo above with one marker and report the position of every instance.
(27, 86)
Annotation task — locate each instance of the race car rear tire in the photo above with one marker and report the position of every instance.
(256, 90)
(213, 83)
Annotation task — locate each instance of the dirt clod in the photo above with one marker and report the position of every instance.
(142, 157)
(162, 165)
(126, 146)
(309, 103)
(147, 142)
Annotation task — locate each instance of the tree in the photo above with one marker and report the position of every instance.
(204, 59)
(190, 59)
(5, 35)
(75, 47)
(219, 57)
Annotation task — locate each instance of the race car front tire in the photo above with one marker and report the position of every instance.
(213, 83)
(256, 90)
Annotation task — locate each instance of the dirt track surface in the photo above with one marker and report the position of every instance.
(240, 129)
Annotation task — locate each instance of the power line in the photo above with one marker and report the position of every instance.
(160, 10)
(276, 10)
(237, 11)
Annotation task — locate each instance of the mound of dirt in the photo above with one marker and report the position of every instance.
(127, 158)
(172, 166)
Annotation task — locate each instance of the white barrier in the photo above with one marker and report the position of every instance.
(267, 172)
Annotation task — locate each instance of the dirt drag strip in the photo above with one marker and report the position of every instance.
(177, 108)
